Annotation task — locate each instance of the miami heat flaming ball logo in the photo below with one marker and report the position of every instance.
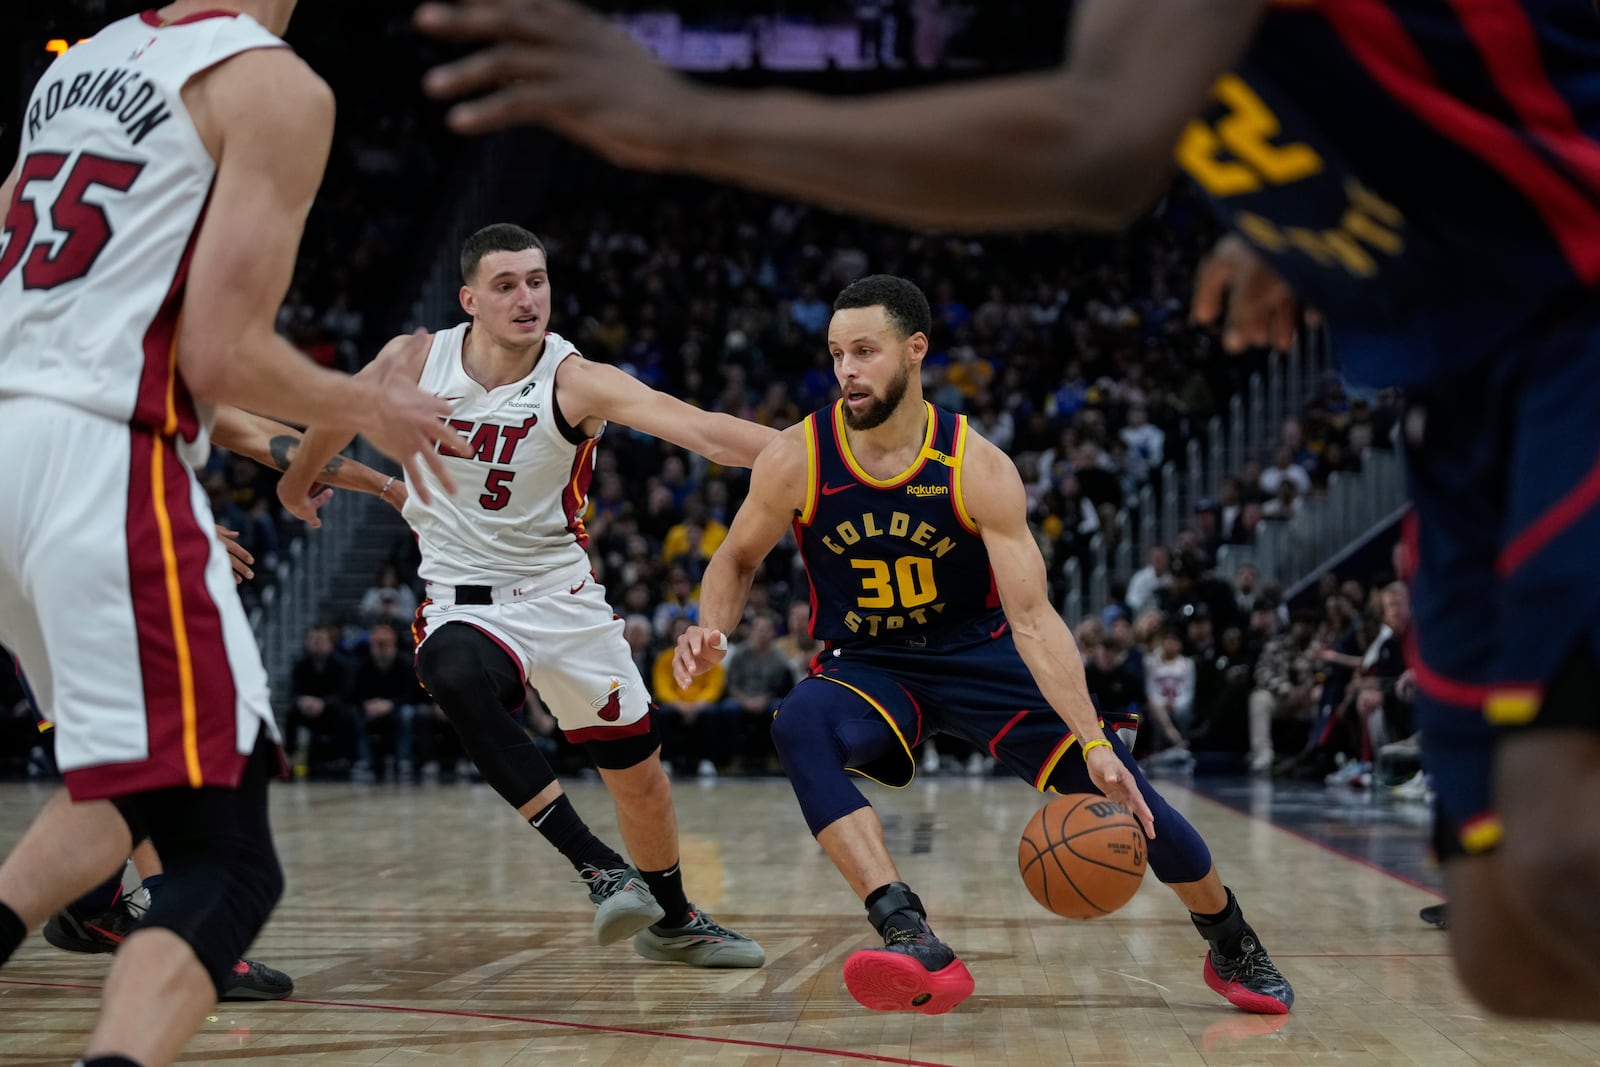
(610, 705)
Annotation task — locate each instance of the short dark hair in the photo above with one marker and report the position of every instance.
(498, 237)
(905, 304)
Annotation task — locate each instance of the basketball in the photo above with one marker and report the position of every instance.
(1082, 856)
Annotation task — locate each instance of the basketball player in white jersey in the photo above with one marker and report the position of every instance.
(511, 598)
(151, 223)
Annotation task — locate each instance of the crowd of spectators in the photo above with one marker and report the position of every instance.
(1071, 352)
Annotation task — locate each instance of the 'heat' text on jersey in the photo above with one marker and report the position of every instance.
(491, 442)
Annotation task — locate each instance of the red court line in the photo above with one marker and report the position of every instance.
(1412, 882)
(1361, 955)
(592, 1027)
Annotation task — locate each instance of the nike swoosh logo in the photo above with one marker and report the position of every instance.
(540, 820)
(997, 633)
(829, 490)
(451, 399)
(579, 586)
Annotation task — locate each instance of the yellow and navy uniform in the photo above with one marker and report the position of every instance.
(895, 559)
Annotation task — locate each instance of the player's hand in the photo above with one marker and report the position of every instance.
(1261, 308)
(408, 426)
(555, 63)
(304, 504)
(699, 649)
(1118, 784)
(238, 556)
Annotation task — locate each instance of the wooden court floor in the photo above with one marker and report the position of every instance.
(428, 926)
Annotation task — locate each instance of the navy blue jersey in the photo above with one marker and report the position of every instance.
(890, 561)
(1425, 172)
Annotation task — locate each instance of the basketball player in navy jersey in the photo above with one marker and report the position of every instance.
(511, 596)
(929, 590)
(1426, 175)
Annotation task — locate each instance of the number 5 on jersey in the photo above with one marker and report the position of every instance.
(497, 489)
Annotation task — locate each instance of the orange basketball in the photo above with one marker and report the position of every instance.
(1082, 856)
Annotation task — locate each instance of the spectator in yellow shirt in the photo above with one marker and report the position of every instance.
(697, 734)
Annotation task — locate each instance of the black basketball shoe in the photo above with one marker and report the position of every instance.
(250, 980)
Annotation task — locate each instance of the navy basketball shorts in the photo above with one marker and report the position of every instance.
(972, 684)
(1503, 466)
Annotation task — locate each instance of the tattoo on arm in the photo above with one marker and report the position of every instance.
(282, 449)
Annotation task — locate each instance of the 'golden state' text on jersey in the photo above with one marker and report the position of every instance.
(890, 561)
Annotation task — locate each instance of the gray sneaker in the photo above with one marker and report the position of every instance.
(625, 905)
(701, 942)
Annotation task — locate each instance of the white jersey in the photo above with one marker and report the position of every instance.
(112, 185)
(517, 512)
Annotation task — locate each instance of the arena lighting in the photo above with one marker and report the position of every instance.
(57, 46)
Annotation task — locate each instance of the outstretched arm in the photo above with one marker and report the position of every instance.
(273, 444)
(1089, 143)
(401, 359)
(596, 391)
(994, 497)
(777, 493)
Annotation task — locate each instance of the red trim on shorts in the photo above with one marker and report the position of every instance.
(917, 708)
(217, 693)
(609, 733)
(188, 690)
(152, 19)
(162, 402)
(1467, 695)
(1006, 729)
(1555, 521)
(503, 647)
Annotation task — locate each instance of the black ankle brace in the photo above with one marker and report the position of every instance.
(1225, 930)
(886, 901)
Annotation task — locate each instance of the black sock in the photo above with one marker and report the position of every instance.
(11, 932)
(667, 887)
(561, 825)
(108, 1061)
(100, 899)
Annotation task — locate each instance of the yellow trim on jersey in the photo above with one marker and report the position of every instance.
(960, 448)
(169, 425)
(1481, 834)
(924, 453)
(911, 761)
(180, 631)
(808, 510)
